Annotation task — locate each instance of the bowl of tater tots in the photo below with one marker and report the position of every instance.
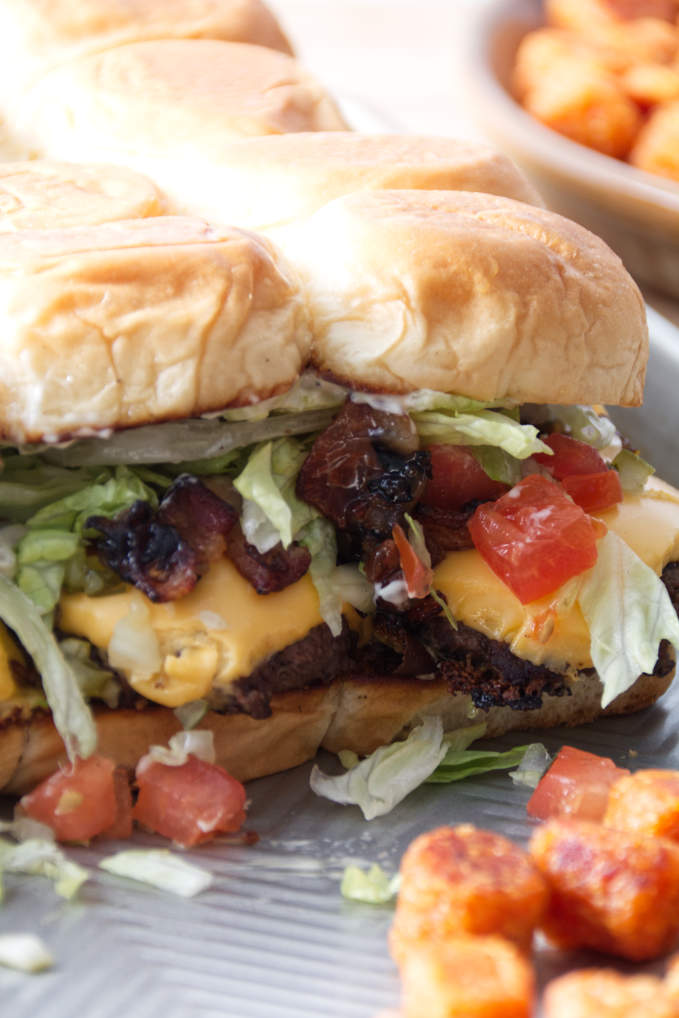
(584, 94)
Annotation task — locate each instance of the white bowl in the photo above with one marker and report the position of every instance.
(637, 213)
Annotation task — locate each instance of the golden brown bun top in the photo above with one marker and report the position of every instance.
(267, 182)
(471, 294)
(176, 99)
(35, 35)
(139, 321)
(43, 195)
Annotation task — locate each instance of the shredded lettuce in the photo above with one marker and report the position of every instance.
(54, 534)
(628, 612)
(27, 483)
(41, 857)
(70, 713)
(159, 868)
(384, 778)
(634, 471)
(198, 743)
(335, 585)
(533, 765)
(191, 714)
(24, 952)
(95, 681)
(464, 763)
(485, 428)
(584, 423)
(498, 464)
(429, 399)
(271, 511)
(308, 393)
(372, 886)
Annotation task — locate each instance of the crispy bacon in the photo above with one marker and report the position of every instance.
(364, 473)
(269, 571)
(445, 529)
(165, 553)
(146, 553)
(200, 517)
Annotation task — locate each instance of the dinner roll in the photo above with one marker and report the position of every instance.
(138, 321)
(169, 100)
(35, 35)
(472, 294)
(267, 182)
(45, 195)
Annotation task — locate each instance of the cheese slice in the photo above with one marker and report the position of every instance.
(219, 632)
(551, 630)
(223, 629)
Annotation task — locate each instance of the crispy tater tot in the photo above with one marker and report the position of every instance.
(467, 977)
(574, 94)
(646, 802)
(613, 891)
(672, 979)
(650, 84)
(458, 880)
(657, 147)
(582, 15)
(604, 993)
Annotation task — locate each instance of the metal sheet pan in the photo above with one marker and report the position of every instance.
(273, 938)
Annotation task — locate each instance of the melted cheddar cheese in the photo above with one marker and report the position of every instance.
(223, 629)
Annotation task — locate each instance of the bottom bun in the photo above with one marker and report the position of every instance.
(356, 714)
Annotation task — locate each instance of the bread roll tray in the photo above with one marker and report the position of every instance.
(273, 937)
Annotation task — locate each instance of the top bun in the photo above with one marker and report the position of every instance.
(35, 35)
(168, 99)
(470, 294)
(268, 182)
(42, 195)
(139, 321)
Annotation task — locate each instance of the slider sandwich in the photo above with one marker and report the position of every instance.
(309, 500)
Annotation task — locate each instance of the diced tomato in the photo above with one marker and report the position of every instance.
(81, 801)
(594, 492)
(189, 803)
(458, 478)
(570, 456)
(534, 537)
(418, 576)
(576, 785)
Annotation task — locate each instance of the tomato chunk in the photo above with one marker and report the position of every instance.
(570, 456)
(189, 803)
(577, 785)
(594, 492)
(458, 478)
(418, 576)
(81, 800)
(534, 537)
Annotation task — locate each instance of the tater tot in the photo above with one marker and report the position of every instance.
(613, 891)
(603, 993)
(650, 84)
(575, 95)
(458, 880)
(672, 980)
(657, 147)
(467, 977)
(582, 15)
(646, 802)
